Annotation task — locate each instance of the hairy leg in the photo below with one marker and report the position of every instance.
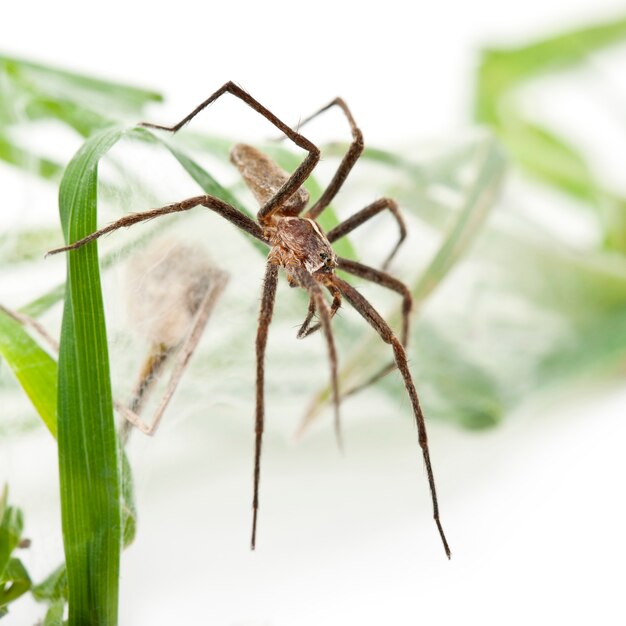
(158, 356)
(362, 216)
(306, 329)
(315, 292)
(265, 317)
(215, 204)
(384, 280)
(347, 163)
(296, 179)
(368, 312)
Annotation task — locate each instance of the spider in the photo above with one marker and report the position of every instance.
(298, 244)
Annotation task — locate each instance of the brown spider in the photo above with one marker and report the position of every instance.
(299, 245)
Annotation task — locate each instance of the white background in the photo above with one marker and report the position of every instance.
(533, 510)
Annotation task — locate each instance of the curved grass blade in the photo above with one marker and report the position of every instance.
(88, 458)
(89, 462)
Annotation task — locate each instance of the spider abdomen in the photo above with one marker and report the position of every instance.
(264, 178)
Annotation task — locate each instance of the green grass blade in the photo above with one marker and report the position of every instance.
(53, 591)
(34, 368)
(89, 462)
(36, 371)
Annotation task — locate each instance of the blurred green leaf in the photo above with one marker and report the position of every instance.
(33, 367)
(38, 80)
(26, 245)
(14, 579)
(12, 153)
(502, 69)
(548, 157)
(54, 592)
(54, 587)
(54, 615)
(539, 150)
(452, 384)
(129, 508)
(14, 582)
(11, 526)
(32, 92)
(83, 121)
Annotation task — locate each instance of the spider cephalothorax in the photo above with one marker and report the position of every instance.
(298, 244)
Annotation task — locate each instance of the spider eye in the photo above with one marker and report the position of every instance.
(323, 256)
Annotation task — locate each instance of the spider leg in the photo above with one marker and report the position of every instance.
(265, 317)
(157, 360)
(347, 163)
(301, 173)
(158, 356)
(368, 312)
(215, 204)
(305, 329)
(315, 292)
(348, 225)
(384, 280)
